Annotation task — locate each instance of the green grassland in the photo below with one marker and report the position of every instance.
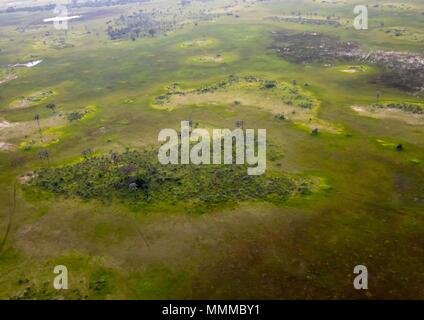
(367, 207)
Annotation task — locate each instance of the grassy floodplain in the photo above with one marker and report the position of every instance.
(367, 207)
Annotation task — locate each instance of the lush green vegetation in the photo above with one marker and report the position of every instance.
(139, 179)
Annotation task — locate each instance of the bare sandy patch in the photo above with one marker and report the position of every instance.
(390, 113)
(6, 146)
(350, 71)
(353, 69)
(27, 177)
(5, 124)
(28, 128)
(45, 131)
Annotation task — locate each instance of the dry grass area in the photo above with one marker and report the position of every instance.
(198, 43)
(250, 94)
(30, 100)
(213, 59)
(217, 58)
(405, 34)
(8, 78)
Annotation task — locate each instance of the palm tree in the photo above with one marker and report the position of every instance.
(37, 118)
(378, 95)
(240, 124)
(12, 209)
